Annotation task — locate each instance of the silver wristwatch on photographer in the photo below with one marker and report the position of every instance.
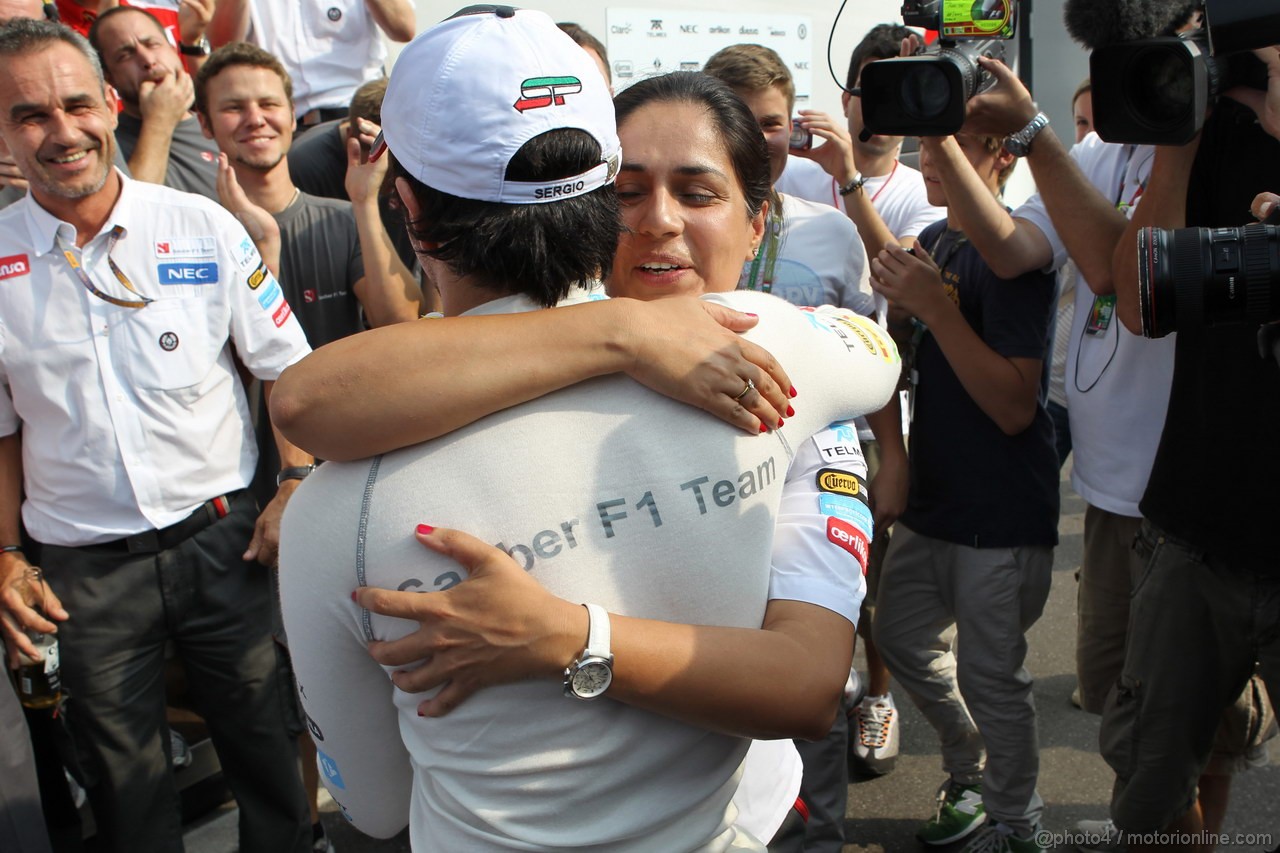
(1019, 144)
(590, 675)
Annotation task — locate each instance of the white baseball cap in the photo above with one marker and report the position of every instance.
(466, 94)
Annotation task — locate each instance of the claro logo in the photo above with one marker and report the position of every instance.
(839, 483)
(14, 265)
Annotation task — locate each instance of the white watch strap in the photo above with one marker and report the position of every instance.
(597, 632)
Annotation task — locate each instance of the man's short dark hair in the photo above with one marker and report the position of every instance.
(883, 41)
(539, 250)
(111, 13)
(366, 103)
(584, 39)
(26, 35)
(230, 56)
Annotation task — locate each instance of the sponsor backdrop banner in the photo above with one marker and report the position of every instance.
(644, 42)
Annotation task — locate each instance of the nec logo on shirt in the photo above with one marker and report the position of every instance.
(188, 273)
(14, 265)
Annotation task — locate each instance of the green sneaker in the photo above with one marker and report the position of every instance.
(998, 838)
(959, 813)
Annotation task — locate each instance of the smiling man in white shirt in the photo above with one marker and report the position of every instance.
(125, 424)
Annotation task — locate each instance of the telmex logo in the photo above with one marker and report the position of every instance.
(14, 265)
(839, 483)
(539, 92)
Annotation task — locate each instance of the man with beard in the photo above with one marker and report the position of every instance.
(157, 133)
(125, 424)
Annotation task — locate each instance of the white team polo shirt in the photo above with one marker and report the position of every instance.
(133, 417)
(328, 48)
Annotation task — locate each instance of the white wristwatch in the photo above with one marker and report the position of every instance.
(590, 675)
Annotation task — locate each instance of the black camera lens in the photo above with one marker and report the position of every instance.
(1194, 277)
(926, 92)
(1160, 87)
(801, 138)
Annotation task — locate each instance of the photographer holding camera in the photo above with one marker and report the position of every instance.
(1206, 609)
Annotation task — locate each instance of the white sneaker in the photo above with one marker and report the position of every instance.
(1099, 836)
(873, 738)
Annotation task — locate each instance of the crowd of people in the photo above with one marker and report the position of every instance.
(603, 516)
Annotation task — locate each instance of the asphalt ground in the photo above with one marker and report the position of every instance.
(883, 813)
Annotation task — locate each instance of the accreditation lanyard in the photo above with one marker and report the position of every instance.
(768, 254)
(76, 267)
(1104, 307)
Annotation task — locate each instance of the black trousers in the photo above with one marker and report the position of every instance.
(21, 818)
(215, 608)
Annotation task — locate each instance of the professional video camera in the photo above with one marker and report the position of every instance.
(1192, 277)
(925, 94)
(1156, 89)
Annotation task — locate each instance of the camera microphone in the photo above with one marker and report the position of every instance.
(1097, 23)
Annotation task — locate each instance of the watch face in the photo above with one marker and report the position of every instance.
(592, 678)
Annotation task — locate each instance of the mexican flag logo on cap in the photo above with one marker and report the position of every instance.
(539, 92)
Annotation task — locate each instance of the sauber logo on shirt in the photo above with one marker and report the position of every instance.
(14, 265)
(186, 247)
(538, 92)
(849, 538)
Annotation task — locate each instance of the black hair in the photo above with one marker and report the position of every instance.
(883, 41)
(735, 123)
(539, 250)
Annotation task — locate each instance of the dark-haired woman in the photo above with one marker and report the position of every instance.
(667, 531)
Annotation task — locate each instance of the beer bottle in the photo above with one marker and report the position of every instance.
(39, 685)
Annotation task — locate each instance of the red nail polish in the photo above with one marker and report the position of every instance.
(754, 316)
(793, 390)
(780, 422)
(791, 413)
(425, 529)
(353, 595)
(763, 428)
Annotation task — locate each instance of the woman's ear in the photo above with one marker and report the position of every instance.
(757, 225)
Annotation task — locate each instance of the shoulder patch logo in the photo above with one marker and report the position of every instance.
(841, 483)
(14, 265)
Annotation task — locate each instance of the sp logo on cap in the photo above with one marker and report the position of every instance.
(539, 92)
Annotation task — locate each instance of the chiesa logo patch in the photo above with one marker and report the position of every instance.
(14, 265)
(168, 342)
